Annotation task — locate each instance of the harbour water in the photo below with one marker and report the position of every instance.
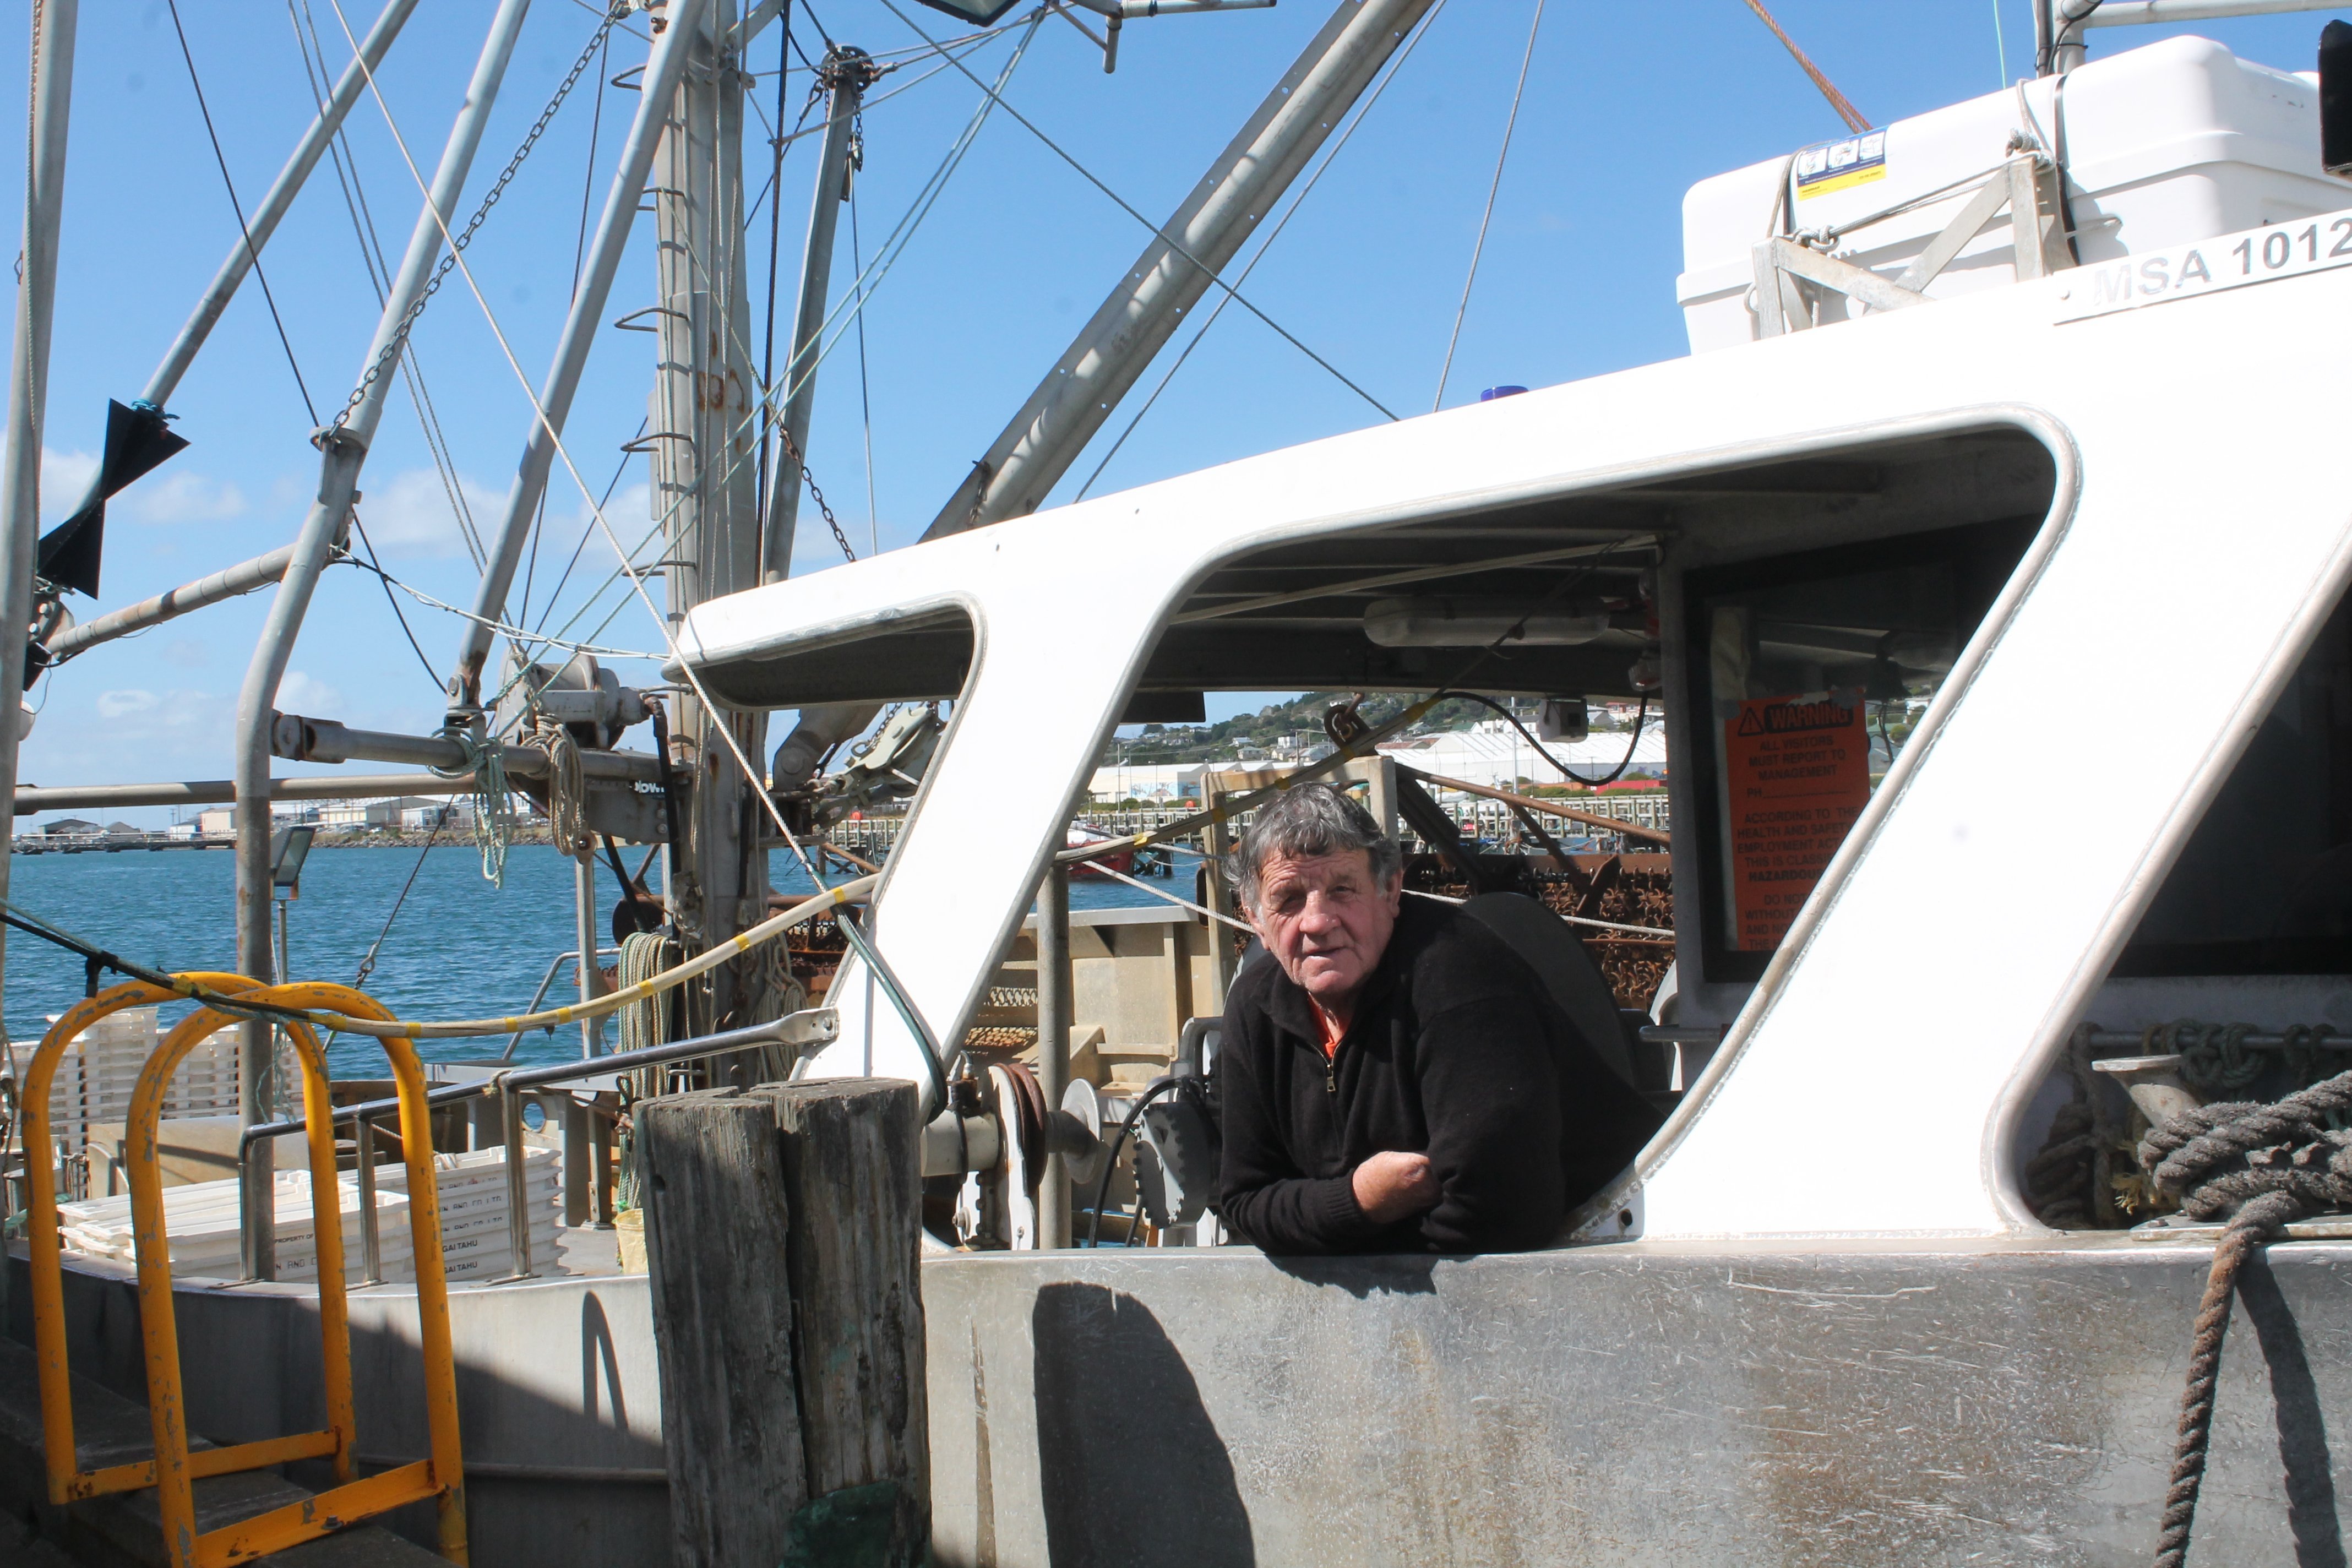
(460, 947)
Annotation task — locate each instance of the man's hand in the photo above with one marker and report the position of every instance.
(1391, 1186)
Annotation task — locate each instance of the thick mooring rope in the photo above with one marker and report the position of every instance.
(2261, 1168)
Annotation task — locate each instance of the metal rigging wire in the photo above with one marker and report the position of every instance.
(379, 271)
(373, 565)
(372, 263)
(1501, 157)
(579, 259)
(1266, 244)
(1129, 209)
(236, 207)
(459, 240)
(587, 532)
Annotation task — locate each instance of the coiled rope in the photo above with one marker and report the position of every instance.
(493, 803)
(643, 956)
(2260, 1168)
(567, 802)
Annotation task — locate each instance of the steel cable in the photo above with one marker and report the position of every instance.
(1132, 211)
(1494, 189)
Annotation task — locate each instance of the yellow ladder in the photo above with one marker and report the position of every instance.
(173, 1470)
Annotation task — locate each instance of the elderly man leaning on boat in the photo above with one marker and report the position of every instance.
(1397, 1080)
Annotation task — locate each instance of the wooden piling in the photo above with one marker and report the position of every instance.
(782, 1237)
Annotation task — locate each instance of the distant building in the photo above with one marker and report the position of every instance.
(1494, 754)
(216, 821)
(70, 828)
(124, 830)
(1164, 780)
(423, 815)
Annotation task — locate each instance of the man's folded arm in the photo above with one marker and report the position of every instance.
(1266, 1199)
(1490, 1089)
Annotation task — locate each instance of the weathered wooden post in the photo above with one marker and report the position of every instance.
(782, 1237)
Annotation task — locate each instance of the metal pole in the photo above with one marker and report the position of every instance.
(344, 450)
(2069, 51)
(32, 798)
(1159, 291)
(576, 1161)
(54, 23)
(591, 974)
(274, 205)
(2135, 13)
(1053, 1021)
(517, 1189)
(226, 584)
(371, 1233)
(846, 73)
(663, 71)
(600, 1156)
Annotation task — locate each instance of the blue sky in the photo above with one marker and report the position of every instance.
(1626, 107)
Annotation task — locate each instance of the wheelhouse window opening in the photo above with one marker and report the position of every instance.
(1808, 674)
(2233, 985)
(1842, 584)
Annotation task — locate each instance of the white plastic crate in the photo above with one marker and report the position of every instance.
(99, 1069)
(201, 1221)
(2176, 141)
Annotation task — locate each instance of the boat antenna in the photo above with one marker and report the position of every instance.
(1846, 111)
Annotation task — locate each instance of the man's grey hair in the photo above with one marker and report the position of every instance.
(1303, 822)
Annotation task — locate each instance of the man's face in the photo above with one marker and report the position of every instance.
(1326, 922)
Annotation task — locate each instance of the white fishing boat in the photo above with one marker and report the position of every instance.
(1991, 410)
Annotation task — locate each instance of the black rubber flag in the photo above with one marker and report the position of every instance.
(137, 442)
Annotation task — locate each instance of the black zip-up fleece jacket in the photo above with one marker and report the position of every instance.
(1456, 1051)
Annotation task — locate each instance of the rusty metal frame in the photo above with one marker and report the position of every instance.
(174, 1468)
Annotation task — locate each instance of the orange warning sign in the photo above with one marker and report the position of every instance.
(1799, 772)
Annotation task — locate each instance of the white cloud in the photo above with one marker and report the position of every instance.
(65, 480)
(187, 652)
(183, 498)
(410, 515)
(119, 704)
(307, 694)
